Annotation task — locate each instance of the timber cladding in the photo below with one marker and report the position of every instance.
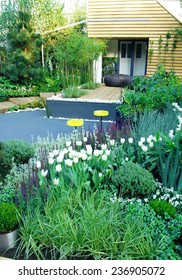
(133, 19)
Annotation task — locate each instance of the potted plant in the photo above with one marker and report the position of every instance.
(8, 225)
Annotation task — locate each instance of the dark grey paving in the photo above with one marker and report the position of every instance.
(24, 125)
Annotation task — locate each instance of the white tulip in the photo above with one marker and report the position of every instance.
(50, 161)
(75, 160)
(112, 142)
(68, 162)
(55, 152)
(68, 143)
(104, 146)
(104, 157)
(44, 173)
(144, 148)
(60, 158)
(142, 139)
(122, 140)
(56, 181)
(58, 168)
(78, 143)
(84, 156)
(107, 152)
(130, 140)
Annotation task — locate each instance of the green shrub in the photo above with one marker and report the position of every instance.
(14, 150)
(152, 93)
(161, 207)
(90, 85)
(164, 233)
(3, 96)
(20, 150)
(8, 217)
(133, 180)
(73, 92)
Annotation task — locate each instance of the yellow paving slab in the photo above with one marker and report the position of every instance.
(4, 106)
(23, 100)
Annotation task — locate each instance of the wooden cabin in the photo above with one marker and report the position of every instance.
(140, 33)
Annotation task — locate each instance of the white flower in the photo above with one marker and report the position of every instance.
(140, 143)
(107, 152)
(142, 139)
(50, 161)
(112, 142)
(176, 203)
(75, 159)
(100, 174)
(83, 151)
(51, 155)
(171, 133)
(58, 167)
(146, 199)
(126, 158)
(56, 181)
(96, 153)
(38, 164)
(78, 143)
(88, 147)
(84, 139)
(151, 144)
(70, 155)
(55, 152)
(180, 119)
(64, 151)
(144, 148)
(70, 149)
(150, 138)
(130, 140)
(122, 140)
(68, 143)
(44, 173)
(84, 157)
(104, 146)
(104, 157)
(154, 196)
(89, 152)
(68, 162)
(60, 158)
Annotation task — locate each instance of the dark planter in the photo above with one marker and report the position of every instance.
(8, 240)
(80, 109)
(118, 80)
